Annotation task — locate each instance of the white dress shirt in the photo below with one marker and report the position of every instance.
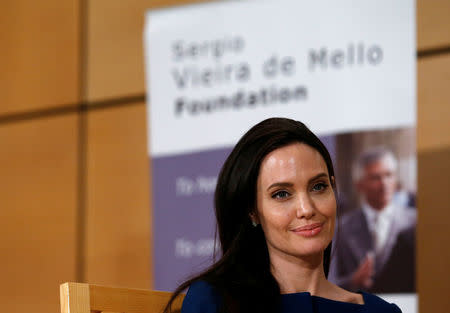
(379, 222)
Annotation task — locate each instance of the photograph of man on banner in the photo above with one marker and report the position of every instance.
(374, 246)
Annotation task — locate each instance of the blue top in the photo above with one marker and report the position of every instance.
(202, 298)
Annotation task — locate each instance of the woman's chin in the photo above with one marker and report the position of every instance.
(311, 249)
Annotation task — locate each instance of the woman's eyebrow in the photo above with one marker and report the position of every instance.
(280, 184)
(287, 184)
(318, 176)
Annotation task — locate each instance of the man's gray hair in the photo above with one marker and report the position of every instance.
(370, 156)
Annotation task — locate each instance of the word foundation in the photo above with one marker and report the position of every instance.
(241, 99)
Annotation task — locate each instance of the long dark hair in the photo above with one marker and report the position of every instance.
(242, 275)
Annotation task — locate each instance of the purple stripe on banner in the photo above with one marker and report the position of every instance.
(183, 214)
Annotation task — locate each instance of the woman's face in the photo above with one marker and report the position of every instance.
(296, 206)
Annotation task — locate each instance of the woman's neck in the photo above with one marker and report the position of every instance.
(295, 274)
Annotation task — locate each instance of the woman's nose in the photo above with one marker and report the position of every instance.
(305, 207)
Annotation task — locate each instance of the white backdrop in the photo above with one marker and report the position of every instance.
(215, 69)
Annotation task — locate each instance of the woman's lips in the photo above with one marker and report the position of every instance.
(310, 230)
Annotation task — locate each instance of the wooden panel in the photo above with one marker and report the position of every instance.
(433, 24)
(38, 212)
(115, 62)
(111, 299)
(85, 298)
(433, 230)
(433, 102)
(118, 197)
(39, 58)
(75, 298)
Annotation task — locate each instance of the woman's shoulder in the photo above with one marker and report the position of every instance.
(374, 303)
(201, 297)
(369, 303)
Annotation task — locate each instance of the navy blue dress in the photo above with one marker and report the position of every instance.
(201, 298)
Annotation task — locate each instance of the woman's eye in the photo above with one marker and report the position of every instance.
(319, 187)
(282, 194)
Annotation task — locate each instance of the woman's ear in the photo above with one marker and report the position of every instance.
(254, 219)
(333, 181)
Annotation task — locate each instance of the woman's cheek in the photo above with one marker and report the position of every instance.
(327, 204)
(280, 215)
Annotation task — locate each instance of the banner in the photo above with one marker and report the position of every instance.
(346, 69)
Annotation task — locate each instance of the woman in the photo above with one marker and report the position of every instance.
(276, 209)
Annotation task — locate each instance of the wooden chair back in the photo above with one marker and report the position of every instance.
(87, 298)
